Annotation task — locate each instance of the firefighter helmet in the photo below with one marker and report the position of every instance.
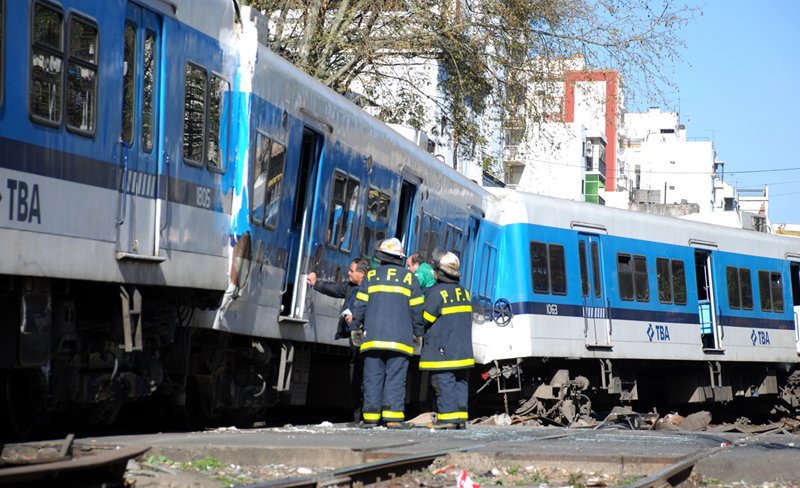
(449, 264)
(393, 247)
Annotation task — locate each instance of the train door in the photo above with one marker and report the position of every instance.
(468, 262)
(597, 326)
(404, 230)
(706, 299)
(794, 270)
(137, 224)
(293, 292)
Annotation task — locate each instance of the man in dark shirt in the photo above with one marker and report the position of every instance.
(347, 290)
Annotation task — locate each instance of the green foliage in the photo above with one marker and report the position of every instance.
(438, 66)
(204, 464)
(159, 460)
(513, 469)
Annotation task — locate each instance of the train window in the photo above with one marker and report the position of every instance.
(558, 271)
(47, 58)
(448, 231)
(267, 180)
(149, 83)
(431, 230)
(679, 282)
(539, 271)
(456, 239)
(732, 278)
(216, 111)
(376, 219)
(598, 291)
(747, 288)
(776, 283)
(342, 211)
(625, 276)
(128, 83)
(2, 46)
(548, 268)
(277, 157)
(765, 293)
(671, 277)
(664, 279)
(81, 105)
(770, 291)
(194, 114)
(640, 281)
(584, 269)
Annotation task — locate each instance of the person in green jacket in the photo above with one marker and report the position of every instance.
(422, 270)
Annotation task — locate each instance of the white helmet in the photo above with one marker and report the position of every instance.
(392, 247)
(450, 265)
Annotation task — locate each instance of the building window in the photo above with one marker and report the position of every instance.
(344, 197)
(194, 114)
(740, 289)
(268, 163)
(548, 268)
(82, 76)
(47, 59)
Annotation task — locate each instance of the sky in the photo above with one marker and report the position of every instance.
(739, 85)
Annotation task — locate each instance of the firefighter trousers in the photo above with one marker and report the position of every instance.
(384, 386)
(451, 387)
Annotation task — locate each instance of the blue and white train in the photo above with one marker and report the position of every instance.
(167, 182)
(597, 302)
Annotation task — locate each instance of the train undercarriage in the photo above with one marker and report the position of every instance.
(568, 391)
(78, 352)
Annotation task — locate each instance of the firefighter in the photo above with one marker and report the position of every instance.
(388, 306)
(447, 348)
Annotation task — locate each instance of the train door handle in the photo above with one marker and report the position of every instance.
(166, 190)
(288, 262)
(124, 189)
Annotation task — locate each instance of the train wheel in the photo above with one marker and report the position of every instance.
(18, 403)
(185, 414)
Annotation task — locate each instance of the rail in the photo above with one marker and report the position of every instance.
(104, 468)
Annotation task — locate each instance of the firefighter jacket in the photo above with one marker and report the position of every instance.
(389, 305)
(342, 289)
(447, 316)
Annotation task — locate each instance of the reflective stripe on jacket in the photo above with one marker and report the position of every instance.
(447, 316)
(388, 303)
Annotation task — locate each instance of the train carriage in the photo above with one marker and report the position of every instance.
(627, 300)
(169, 183)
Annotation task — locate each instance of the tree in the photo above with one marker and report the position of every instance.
(484, 52)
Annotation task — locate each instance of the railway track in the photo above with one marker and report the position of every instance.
(53, 464)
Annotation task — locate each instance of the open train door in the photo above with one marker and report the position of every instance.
(794, 270)
(404, 228)
(597, 324)
(140, 168)
(710, 329)
(300, 252)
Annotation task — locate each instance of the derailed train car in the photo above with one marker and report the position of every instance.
(597, 303)
(167, 183)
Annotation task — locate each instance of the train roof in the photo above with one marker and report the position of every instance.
(519, 207)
